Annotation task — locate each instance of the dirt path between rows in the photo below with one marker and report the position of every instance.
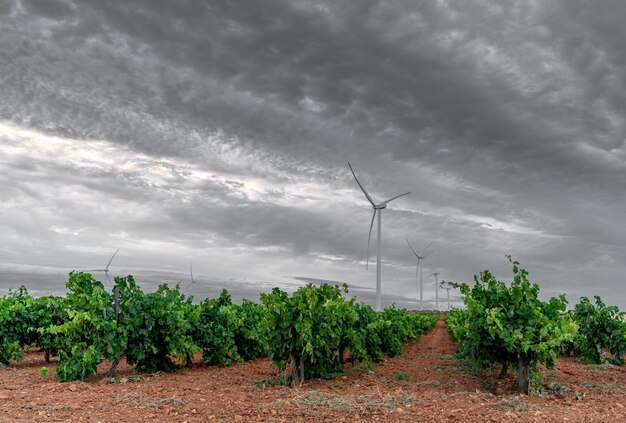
(426, 383)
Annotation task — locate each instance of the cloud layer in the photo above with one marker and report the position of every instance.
(219, 134)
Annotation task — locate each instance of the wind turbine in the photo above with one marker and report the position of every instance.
(436, 275)
(378, 208)
(446, 285)
(106, 269)
(420, 257)
(191, 275)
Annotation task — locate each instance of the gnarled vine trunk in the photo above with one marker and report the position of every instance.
(523, 382)
(116, 362)
(297, 370)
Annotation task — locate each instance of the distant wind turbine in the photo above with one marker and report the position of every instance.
(377, 209)
(191, 275)
(436, 275)
(420, 257)
(106, 269)
(446, 285)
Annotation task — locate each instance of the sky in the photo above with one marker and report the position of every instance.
(218, 133)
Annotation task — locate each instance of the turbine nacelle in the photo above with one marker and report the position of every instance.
(418, 256)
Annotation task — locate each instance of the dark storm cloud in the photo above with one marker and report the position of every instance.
(391, 64)
(294, 79)
(505, 119)
(53, 9)
(5, 7)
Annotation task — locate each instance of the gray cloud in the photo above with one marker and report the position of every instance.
(219, 133)
(52, 9)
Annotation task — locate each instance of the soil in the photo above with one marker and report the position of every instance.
(426, 383)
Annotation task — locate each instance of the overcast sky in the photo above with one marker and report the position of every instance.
(218, 133)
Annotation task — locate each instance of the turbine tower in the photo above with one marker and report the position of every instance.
(436, 275)
(419, 269)
(106, 269)
(378, 208)
(446, 285)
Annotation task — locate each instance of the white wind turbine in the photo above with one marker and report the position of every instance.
(446, 285)
(420, 257)
(436, 275)
(377, 209)
(106, 269)
(191, 275)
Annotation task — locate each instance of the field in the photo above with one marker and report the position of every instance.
(426, 383)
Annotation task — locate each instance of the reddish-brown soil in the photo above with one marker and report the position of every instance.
(424, 384)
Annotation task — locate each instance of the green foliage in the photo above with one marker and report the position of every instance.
(47, 311)
(151, 328)
(249, 338)
(85, 294)
(510, 325)
(456, 322)
(21, 316)
(220, 323)
(372, 331)
(87, 332)
(305, 330)
(600, 327)
(149, 331)
(79, 363)
(309, 332)
(386, 332)
(404, 326)
(15, 323)
(226, 332)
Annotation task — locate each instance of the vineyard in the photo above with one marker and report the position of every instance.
(510, 326)
(308, 335)
(136, 355)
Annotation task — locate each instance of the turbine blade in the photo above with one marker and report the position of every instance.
(107, 268)
(407, 241)
(424, 250)
(368, 240)
(361, 186)
(191, 272)
(391, 199)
